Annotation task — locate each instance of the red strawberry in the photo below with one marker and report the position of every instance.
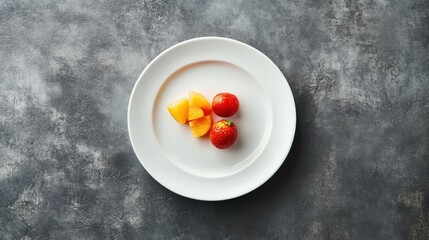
(225, 104)
(223, 134)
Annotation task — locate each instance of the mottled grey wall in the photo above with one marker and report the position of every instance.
(358, 169)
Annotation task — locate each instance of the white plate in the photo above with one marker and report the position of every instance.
(193, 167)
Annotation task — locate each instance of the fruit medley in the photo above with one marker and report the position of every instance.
(196, 109)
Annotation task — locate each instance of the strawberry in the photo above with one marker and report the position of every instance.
(225, 104)
(223, 134)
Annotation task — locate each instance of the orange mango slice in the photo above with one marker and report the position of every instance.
(198, 100)
(200, 126)
(179, 110)
(194, 113)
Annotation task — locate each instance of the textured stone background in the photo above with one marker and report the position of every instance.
(358, 169)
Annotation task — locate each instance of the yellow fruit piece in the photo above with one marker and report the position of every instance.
(179, 110)
(194, 113)
(198, 100)
(201, 126)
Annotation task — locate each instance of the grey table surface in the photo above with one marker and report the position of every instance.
(358, 168)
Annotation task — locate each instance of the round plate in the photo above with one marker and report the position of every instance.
(190, 166)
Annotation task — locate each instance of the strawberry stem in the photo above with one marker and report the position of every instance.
(229, 123)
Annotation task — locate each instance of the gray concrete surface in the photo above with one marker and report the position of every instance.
(358, 169)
